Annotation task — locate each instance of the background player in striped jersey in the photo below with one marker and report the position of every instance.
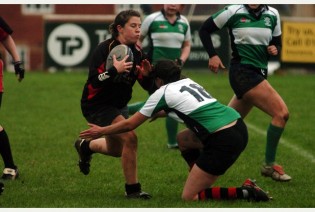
(215, 128)
(10, 171)
(255, 34)
(169, 38)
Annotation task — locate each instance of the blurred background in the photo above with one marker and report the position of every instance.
(58, 37)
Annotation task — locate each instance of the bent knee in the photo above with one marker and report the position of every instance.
(186, 197)
(130, 139)
(286, 116)
(282, 117)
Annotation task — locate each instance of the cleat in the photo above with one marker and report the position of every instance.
(172, 146)
(276, 172)
(84, 159)
(1, 187)
(10, 174)
(138, 195)
(255, 193)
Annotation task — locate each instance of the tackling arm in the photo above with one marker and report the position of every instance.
(126, 125)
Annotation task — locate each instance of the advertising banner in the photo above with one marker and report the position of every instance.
(298, 42)
(71, 44)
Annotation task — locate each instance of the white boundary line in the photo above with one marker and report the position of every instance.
(287, 144)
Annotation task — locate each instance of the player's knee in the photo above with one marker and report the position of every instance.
(286, 116)
(187, 197)
(131, 140)
(1, 128)
(283, 116)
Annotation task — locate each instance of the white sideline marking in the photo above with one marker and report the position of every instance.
(284, 142)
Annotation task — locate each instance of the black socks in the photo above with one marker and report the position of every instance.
(132, 188)
(5, 150)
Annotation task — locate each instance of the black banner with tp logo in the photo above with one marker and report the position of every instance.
(71, 44)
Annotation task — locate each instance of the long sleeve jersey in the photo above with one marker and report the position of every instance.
(116, 89)
(250, 33)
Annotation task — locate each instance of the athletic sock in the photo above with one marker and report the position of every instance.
(171, 129)
(273, 137)
(5, 150)
(219, 193)
(191, 156)
(85, 147)
(132, 188)
(135, 107)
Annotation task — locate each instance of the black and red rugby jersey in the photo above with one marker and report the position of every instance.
(115, 91)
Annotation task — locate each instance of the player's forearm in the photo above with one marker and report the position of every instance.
(119, 127)
(205, 31)
(9, 45)
(126, 125)
(185, 51)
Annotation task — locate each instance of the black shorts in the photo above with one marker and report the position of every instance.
(245, 77)
(106, 115)
(221, 149)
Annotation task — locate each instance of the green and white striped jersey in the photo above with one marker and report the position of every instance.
(166, 38)
(188, 102)
(250, 36)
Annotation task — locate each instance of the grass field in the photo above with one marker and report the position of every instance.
(42, 117)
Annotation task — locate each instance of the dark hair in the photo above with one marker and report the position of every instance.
(167, 70)
(121, 19)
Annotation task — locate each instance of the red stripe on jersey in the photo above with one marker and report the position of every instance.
(92, 91)
(216, 194)
(100, 69)
(232, 193)
(3, 34)
(139, 48)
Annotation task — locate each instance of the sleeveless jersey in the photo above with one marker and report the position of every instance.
(188, 102)
(250, 36)
(166, 39)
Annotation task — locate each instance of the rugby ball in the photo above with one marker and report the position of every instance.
(120, 51)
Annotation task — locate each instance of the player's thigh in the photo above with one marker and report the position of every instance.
(187, 139)
(240, 105)
(266, 98)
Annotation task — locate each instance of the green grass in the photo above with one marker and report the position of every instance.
(42, 117)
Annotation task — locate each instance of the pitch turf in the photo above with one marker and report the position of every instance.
(42, 117)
